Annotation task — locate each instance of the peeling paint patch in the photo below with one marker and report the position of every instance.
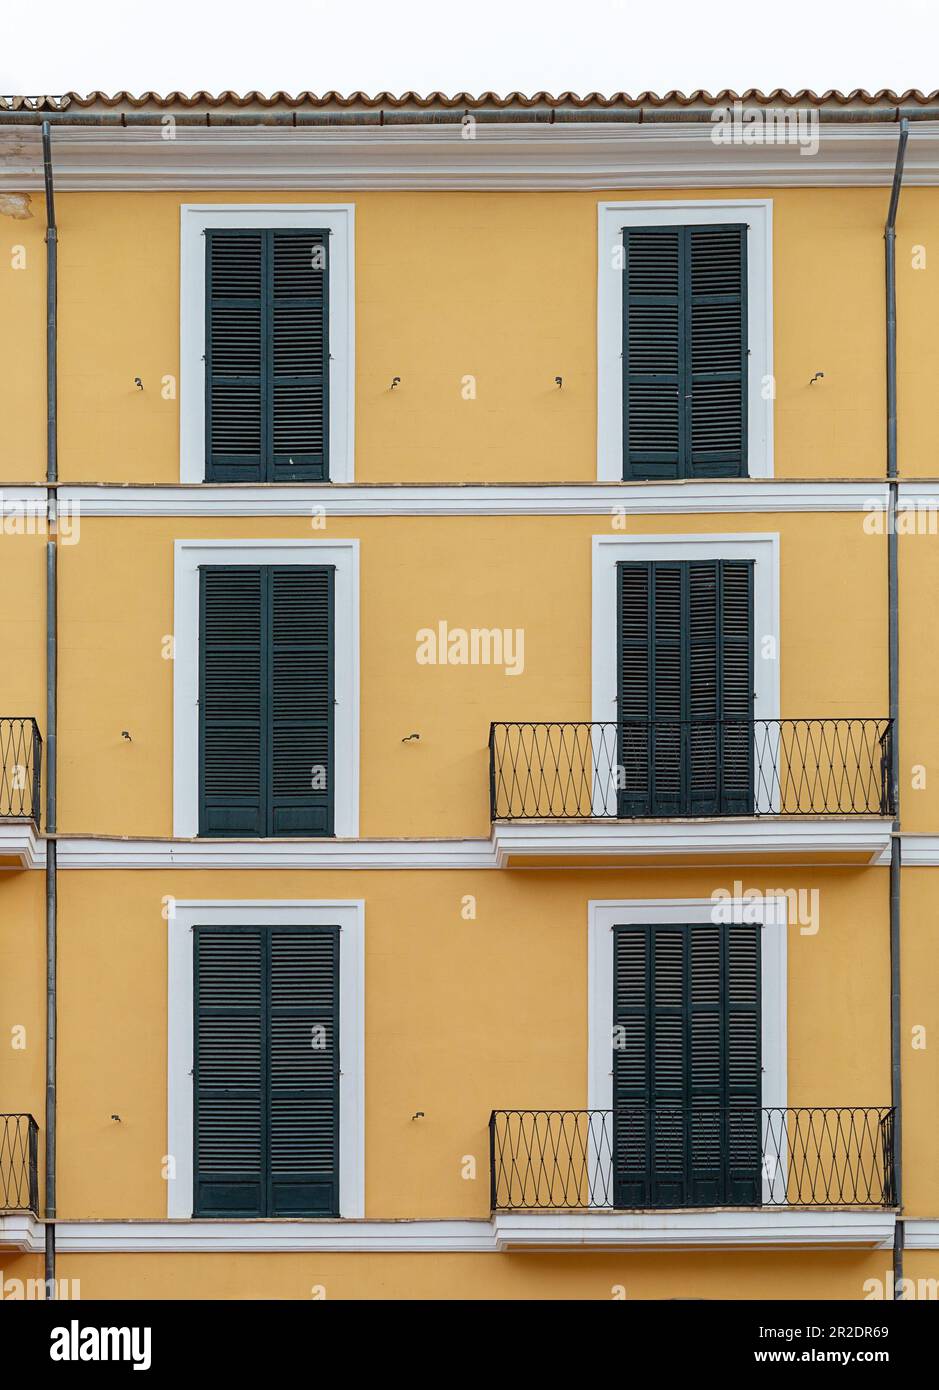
(15, 205)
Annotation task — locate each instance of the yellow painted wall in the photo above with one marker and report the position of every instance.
(498, 285)
(462, 1017)
(116, 608)
(919, 1035)
(603, 1277)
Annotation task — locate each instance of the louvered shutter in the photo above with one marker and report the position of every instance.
(267, 355)
(233, 701)
(653, 353)
(684, 352)
(686, 1065)
(685, 690)
(266, 700)
(650, 706)
(716, 361)
(304, 1072)
(266, 1071)
(302, 699)
(229, 1073)
(735, 685)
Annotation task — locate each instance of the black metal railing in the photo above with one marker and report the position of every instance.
(19, 1168)
(666, 1156)
(20, 768)
(730, 767)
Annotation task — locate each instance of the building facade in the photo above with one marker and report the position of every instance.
(489, 816)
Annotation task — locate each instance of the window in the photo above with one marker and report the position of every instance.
(214, 789)
(687, 1124)
(266, 1071)
(684, 657)
(266, 1058)
(684, 352)
(266, 700)
(267, 356)
(695, 1002)
(685, 689)
(684, 333)
(267, 359)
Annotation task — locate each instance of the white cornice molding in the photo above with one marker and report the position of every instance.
(515, 155)
(20, 843)
(828, 840)
(919, 1234)
(274, 854)
(728, 1230)
(822, 841)
(919, 851)
(472, 499)
(630, 1232)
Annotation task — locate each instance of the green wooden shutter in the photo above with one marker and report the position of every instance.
(685, 689)
(685, 352)
(233, 701)
(267, 355)
(653, 353)
(236, 352)
(302, 699)
(266, 700)
(686, 1065)
(304, 1072)
(266, 1071)
(229, 1073)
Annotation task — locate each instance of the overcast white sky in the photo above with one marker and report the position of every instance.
(472, 45)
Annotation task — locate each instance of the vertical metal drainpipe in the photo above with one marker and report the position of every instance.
(52, 474)
(893, 658)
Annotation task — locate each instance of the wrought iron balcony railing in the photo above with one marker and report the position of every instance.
(19, 1171)
(668, 1156)
(20, 767)
(730, 767)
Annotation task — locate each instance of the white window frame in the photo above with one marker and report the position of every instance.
(189, 555)
(772, 914)
(336, 218)
(762, 549)
(613, 217)
(349, 915)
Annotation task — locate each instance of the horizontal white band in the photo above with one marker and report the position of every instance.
(691, 497)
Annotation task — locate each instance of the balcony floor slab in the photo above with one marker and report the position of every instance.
(740, 1229)
(637, 844)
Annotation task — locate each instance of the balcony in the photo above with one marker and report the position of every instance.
(694, 789)
(20, 769)
(19, 1175)
(667, 1175)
